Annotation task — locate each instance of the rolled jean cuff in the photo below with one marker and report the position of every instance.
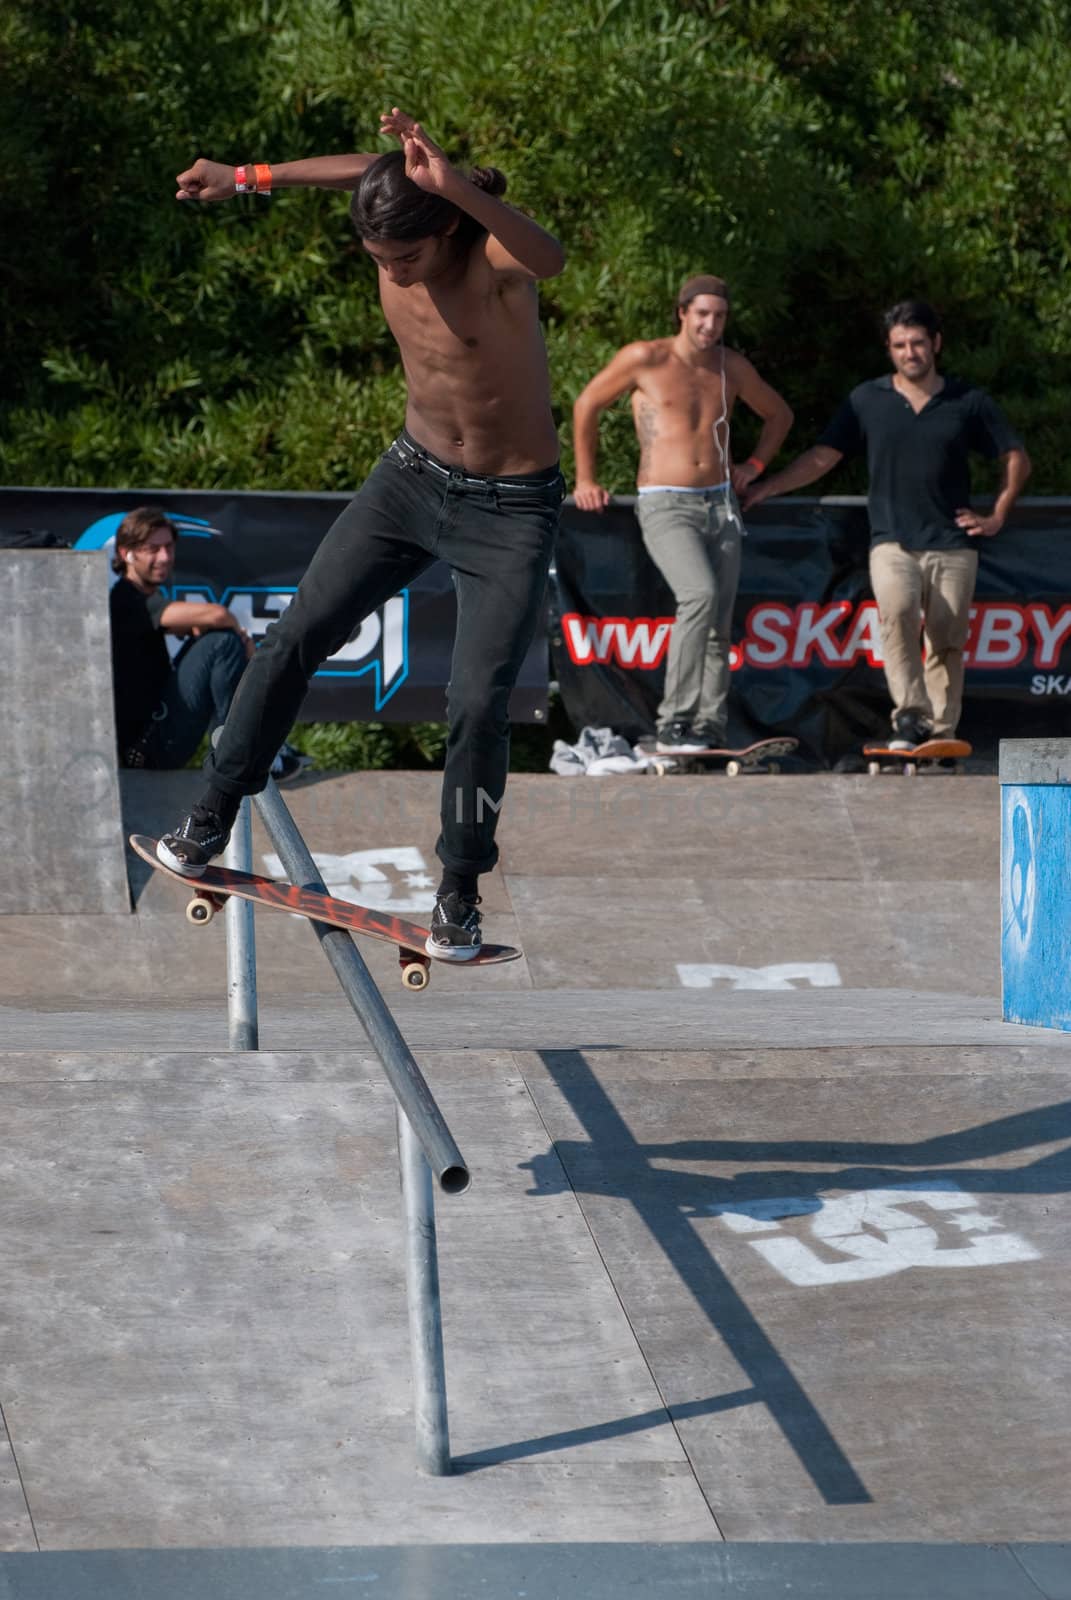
(464, 864)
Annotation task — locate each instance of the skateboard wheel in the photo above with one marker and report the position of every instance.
(911, 769)
(200, 911)
(733, 769)
(873, 768)
(773, 766)
(415, 975)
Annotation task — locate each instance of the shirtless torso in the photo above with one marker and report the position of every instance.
(683, 392)
(475, 366)
(466, 320)
(682, 416)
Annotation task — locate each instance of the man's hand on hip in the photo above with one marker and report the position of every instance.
(976, 527)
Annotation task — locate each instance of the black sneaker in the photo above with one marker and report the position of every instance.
(198, 838)
(288, 763)
(677, 739)
(908, 731)
(455, 928)
(713, 738)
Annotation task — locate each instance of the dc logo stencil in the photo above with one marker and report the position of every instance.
(873, 1233)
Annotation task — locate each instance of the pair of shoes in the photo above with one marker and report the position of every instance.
(455, 928)
(198, 837)
(677, 739)
(288, 763)
(908, 731)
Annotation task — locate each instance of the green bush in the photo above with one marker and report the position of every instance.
(826, 157)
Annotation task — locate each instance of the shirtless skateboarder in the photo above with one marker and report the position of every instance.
(472, 479)
(683, 392)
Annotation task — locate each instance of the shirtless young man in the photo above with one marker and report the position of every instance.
(683, 393)
(473, 479)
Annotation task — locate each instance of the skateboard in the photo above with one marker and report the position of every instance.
(881, 759)
(216, 884)
(763, 756)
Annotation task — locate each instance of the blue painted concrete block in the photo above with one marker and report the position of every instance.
(1035, 878)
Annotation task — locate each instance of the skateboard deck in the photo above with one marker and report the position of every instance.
(762, 756)
(216, 884)
(881, 759)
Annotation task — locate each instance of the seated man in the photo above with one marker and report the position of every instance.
(163, 708)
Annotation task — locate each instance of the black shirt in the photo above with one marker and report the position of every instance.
(140, 662)
(918, 462)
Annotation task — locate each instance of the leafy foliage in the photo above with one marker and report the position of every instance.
(826, 156)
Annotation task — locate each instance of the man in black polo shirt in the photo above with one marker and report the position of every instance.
(918, 429)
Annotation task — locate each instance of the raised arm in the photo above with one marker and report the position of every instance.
(515, 243)
(615, 379)
(214, 180)
(775, 411)
(812, 464)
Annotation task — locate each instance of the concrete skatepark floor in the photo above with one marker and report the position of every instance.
(761, 1285)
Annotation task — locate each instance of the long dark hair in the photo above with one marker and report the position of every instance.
(388, 205)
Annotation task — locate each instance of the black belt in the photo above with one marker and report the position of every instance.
(415, 457)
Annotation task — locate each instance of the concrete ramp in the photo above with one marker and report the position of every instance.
(59, 791)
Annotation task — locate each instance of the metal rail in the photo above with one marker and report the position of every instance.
(425, 1145)
(405, 1077)
(241, 941)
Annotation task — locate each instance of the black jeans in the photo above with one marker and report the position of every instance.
(497, 535)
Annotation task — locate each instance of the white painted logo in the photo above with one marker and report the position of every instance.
(392, 879)
(872, 1233)
(784, 975)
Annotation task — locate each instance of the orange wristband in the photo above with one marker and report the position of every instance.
(262, 178)
(753, 461)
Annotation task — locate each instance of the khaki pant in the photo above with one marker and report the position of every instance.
(939, 586)
(694, 541)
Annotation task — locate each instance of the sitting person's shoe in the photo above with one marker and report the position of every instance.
(288, 763)
(455, 928)
(677, 739)
(198, 837)
(908, 731)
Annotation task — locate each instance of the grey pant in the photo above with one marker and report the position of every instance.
(694, 541)
(937, 584)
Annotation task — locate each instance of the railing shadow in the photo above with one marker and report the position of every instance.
(611, 1162)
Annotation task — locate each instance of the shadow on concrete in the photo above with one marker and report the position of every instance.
(773, 1384)
(614, 1163)
(871, 1164)
(570, 1438)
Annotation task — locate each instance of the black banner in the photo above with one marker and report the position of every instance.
(248, 551)
(806, 644)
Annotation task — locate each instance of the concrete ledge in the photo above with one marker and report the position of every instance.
(549, 1571)
(553, 1019)
(1035, 761)
(59, 788)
